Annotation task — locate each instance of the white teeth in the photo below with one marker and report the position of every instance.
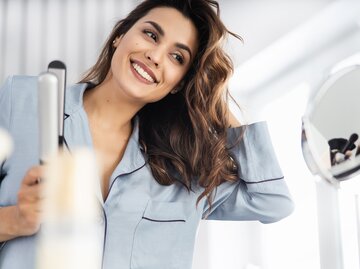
(142, 73)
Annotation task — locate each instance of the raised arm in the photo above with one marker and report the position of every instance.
(260, 192)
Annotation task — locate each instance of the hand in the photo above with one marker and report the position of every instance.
(233, 121)
(28, 208)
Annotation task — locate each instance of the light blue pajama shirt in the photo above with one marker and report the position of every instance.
(144, 224)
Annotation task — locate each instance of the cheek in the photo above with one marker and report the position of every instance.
(130, 42)
(115, 60)
(173, 74)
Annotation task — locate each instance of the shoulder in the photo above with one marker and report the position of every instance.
(17, 93)
(21, 81)
(20, 86)
(18, 102)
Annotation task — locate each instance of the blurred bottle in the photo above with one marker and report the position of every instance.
(6, 145)
(70, 236)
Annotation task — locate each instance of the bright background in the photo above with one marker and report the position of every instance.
(290, 47)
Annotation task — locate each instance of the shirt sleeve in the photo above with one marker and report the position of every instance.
(260, 193)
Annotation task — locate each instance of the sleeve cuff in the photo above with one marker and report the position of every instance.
(254, 153)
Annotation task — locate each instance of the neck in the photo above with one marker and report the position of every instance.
(108, 108)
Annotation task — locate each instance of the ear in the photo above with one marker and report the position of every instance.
(175, 90)
(116, 41)
(178, 87)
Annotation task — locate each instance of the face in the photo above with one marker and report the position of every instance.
(154, 55)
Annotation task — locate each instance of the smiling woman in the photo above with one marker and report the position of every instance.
(154, 109)
(154, 52)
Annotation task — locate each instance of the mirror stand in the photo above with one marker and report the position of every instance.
(331, 149)
(357, 208)
(329, 225)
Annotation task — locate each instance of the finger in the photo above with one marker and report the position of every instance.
(33, 176)
(31, 207)
(36, 191)
(31, 194)
(32, 217)
(38, 210)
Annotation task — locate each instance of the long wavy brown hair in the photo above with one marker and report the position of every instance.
(185, 134)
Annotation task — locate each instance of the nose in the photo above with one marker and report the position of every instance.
(155, 56)
(154, 62)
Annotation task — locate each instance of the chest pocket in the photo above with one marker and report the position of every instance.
(159, 236)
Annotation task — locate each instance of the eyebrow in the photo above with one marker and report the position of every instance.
(162, 33)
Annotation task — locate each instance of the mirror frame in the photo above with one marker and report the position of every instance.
(307, 144)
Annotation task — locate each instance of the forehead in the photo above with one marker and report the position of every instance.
(176, 26)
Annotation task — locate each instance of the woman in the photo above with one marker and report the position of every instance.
(154, 109)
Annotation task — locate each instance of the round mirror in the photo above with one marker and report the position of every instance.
(331, 127)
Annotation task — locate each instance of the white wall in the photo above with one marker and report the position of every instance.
(281, 62)
(35, 32)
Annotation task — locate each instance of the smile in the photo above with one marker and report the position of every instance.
(144, 74)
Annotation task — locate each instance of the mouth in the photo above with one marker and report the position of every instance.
(143, 72)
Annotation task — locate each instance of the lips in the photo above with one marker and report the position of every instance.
(143, 71)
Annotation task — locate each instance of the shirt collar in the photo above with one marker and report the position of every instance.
(74, 97)
(133, 158)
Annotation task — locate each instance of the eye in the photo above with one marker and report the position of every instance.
(178, 57)
(151, 34)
